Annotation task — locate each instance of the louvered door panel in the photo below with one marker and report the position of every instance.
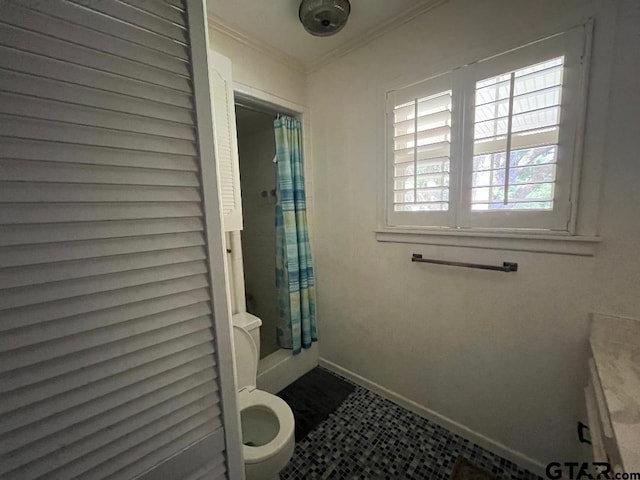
(32, 63)
(38, 234)
(63, 50)
(76, 13)
(154, 163)
(89, 37)
(226, 141)
(52, 130)
(45, 253)
(21, 105)
(136, 12)
(35, 171)
(108, 358)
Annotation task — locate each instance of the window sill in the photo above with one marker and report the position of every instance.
(562, 244)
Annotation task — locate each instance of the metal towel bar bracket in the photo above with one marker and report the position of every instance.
(506, 266)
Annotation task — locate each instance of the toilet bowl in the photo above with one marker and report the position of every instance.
(266, 420)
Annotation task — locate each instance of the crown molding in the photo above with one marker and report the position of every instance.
(374, 32)
(217, 24)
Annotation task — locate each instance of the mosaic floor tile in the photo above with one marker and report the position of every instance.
(369, 437)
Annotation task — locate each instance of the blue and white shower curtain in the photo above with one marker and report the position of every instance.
(294, 272)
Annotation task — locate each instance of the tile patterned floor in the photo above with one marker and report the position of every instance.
(369, 437)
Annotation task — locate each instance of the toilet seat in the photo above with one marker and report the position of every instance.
(259, 398)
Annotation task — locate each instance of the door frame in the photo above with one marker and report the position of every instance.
(215, 245)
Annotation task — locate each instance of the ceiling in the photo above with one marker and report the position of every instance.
(275, 23)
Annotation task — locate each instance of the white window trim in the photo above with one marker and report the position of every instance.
(582, 245)
(534, 240)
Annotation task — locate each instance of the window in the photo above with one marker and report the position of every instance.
(490, 145)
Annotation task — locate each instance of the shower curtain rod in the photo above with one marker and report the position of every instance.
(259, 110)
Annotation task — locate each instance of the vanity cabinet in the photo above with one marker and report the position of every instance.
(612, 394)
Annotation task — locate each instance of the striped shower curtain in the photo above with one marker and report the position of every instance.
(294, 272)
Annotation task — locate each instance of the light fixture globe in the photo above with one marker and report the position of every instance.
(324, 17)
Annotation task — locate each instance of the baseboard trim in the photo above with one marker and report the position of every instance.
(517, 457)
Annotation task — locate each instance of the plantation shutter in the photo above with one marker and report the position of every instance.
(491, 145)
(520, 135)
(224, 122)
(109, 361)
(420, 123)
(422, 132)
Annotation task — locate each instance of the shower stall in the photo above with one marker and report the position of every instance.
(256, 151)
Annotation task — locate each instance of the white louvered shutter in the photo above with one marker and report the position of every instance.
(517, 117)
(224, 122)
(493, 144)
(520, 133)
(108, 359)
(420, 150)
(422, 153)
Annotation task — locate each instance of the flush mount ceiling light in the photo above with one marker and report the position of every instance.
(324, 17)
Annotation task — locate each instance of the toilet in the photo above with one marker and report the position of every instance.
(266, 420)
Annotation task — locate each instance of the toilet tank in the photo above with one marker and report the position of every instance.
(251, 324)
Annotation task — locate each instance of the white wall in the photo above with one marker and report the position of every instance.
(617, 270)
(501, 355)
(258, 174)
(278, 77)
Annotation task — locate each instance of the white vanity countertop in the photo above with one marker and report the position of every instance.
(615, 343)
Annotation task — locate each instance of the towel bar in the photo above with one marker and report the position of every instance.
(506, 266)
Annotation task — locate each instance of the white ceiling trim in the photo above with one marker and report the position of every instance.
(217, 24)
(374, 32)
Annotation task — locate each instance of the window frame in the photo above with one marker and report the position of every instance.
(574, 45)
